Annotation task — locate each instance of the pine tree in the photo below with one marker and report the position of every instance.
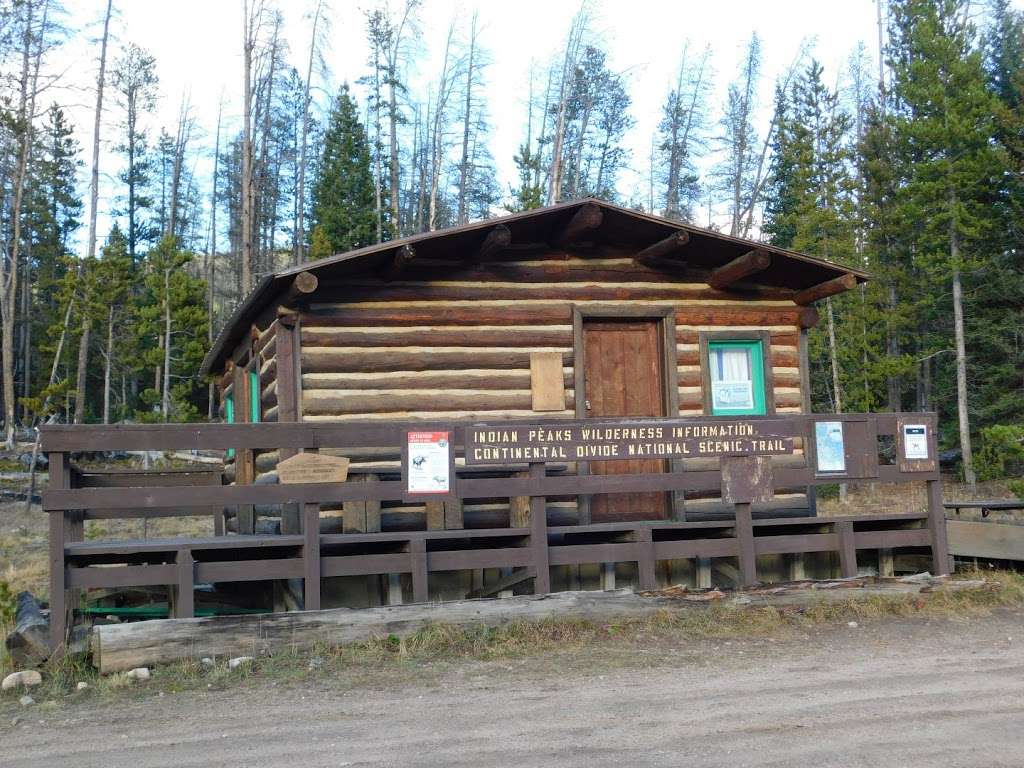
(945, 121)
(343, 194)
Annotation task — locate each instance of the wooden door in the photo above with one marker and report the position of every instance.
(624, 376)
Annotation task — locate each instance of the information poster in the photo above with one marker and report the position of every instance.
(828, 444)
(429, 463)
(732, 394)
(915, 441)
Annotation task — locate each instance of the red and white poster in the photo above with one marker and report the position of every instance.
(429, 463)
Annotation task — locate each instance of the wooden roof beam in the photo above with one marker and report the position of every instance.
(401, 259)
(585, 220)
(497, 240)
(302, 285)
(750, 263)
(831, 287)
(654, 254)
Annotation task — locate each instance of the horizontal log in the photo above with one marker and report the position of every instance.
(496, 241)
(400, 262)
(582, 224)
(118, 647)
(470, 336)
(470, 378)
(334, 401)
(739, 269)
(784, 357)
(359, 291)
(662, 249)
(266, 336)
(828, 288)
(341, 359)
(426, 416)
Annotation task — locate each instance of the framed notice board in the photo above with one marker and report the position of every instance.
(915, 444)
(428, 465)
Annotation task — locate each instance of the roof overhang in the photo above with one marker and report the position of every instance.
(708, 250)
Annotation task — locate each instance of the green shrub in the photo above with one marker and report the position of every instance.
(1002, 447)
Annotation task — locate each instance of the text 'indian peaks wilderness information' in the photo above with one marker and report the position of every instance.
(579, 441)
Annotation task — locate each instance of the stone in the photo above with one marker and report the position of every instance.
(139, 673)
(239, 661)
(206, 661)
(852, 624)
(23, 679)
(26, 701)
(81, 686)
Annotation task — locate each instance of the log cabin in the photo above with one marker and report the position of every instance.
(574, 311)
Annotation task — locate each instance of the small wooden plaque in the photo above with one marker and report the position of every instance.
(746, 479)
(547, 384)
(313, 468)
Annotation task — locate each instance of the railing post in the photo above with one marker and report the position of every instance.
(645, 558)
(311, 556)
(539, 531)
(184, 590)
(847, 549)
(745, 545)
(420, 574)
(937, 528)
(59, 479)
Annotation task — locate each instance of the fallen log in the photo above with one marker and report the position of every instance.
(28, 644)
(117, 647)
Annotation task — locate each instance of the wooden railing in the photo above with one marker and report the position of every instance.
(531, 544)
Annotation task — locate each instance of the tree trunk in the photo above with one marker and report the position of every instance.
(248, 45)
(211, 257)
(961, 370)
(300, 190)
(166, 398)
(83, 363)
(464, 175)
(107, 364)
(94, 182)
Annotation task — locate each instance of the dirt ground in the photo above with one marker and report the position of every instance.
(892, 692)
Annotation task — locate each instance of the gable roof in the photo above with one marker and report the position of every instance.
(619, 226)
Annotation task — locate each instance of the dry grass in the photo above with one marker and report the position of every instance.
(572, 643)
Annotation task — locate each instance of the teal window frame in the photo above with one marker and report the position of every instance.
(254, 397)
(755, 347)
(229, 417)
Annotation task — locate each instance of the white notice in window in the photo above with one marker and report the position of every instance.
(732, 395)
(915, 441)
(429, 466)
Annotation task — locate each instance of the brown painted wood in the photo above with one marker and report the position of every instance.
(539, 535)
(418, 566)
(745, 545)
(339, 360)
(311, 556)
(624, 376)
(847, 549)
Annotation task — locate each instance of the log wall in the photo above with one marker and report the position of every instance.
(459, 347)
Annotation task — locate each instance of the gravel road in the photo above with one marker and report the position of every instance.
(890, 693)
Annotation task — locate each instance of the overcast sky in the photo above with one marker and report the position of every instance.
(197, 48)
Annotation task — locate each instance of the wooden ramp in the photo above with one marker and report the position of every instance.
(989, 540)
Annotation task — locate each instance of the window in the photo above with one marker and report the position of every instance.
(737, 378)
(254, 397)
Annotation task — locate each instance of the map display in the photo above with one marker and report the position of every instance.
(828, 441)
